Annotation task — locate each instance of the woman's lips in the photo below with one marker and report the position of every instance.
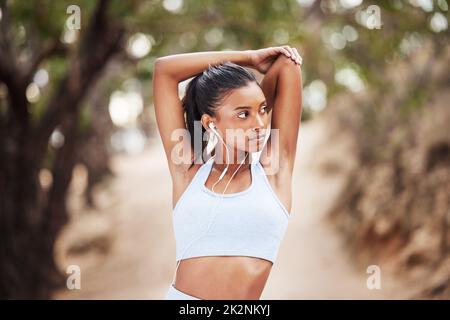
(258, 138)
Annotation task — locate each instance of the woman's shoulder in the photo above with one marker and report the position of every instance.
(182, 178)
(279, 177)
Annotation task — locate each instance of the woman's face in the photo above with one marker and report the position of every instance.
(242, 117)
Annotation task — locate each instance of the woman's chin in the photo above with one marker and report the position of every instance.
(255, 147)
(251, 147)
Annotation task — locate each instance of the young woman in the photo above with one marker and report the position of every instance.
(230, 213)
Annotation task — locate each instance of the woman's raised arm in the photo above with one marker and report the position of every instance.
(282, 86)
(185, 65)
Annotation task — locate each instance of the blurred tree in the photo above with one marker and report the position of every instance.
(31, 216)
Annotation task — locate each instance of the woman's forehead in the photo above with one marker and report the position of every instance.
(251, 95)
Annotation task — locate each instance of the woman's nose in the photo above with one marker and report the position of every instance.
(259, 124)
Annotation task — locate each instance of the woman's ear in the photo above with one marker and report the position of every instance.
(207, 121)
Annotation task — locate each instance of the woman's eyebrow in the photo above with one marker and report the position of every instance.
(249, 107)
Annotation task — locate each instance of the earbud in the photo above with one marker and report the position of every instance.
(212, 126)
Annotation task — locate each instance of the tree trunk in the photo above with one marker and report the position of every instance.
(30, 217)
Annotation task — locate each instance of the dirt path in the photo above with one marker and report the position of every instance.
(134, 247)
(313, 261)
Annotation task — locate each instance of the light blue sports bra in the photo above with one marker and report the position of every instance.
(247, 223)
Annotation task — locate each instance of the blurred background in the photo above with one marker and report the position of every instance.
(84, 185)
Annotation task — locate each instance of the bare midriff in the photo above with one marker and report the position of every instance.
(223, 277)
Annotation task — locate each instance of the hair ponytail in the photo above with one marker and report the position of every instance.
(193, 114)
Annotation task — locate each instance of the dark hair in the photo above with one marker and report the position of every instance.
(205, 91)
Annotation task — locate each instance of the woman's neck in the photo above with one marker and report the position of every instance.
(220, 163)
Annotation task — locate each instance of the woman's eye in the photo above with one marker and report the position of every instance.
(264, 110)
(245, 113)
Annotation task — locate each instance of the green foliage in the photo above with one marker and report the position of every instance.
(216, 25)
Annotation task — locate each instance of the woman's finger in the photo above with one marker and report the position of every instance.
(284, 51)
(299, 57)
(291, 52)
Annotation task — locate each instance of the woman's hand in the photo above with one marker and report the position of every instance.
(262, 59)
